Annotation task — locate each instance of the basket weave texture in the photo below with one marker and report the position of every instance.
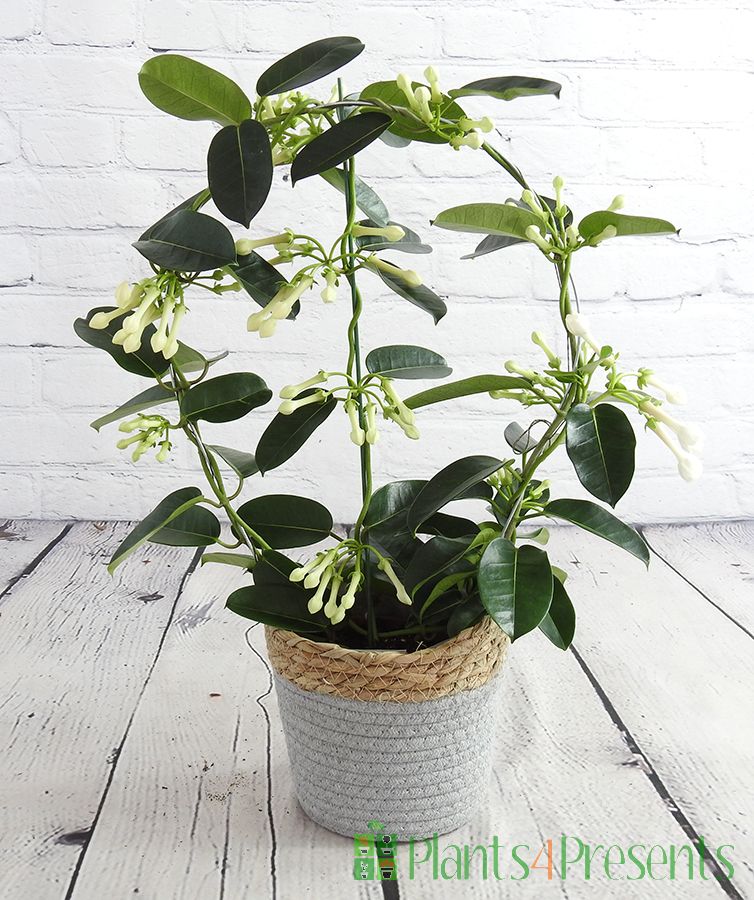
(466, 661)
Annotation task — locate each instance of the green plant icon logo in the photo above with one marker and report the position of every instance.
(375, 854)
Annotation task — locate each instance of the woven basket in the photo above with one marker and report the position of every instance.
(402, 738)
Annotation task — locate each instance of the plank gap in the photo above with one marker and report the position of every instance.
(36, 561)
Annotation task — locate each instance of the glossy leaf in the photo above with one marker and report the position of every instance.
(596, 222)
(278, 605)
(275, 568)
(515, 586)
(286, 434)
(153, 396)
(408, 362)
(144, 361)
(465, 615)
(307, 64)
(194, 203)
(260, 280)
(366, 199)
(421, 296)
(493, 242)
(601, 444)
(340, 142)
(559, 625)
(386, 516)
(449, 526)
(477, 384)
(239, 170)
(241, 560)
(166, 510)
(508, 87)
(285, 521)
(188, 242)
(488, 218)
(409, 243)
(437, 557)
(599, 521)
(188, 360)
(195, 527)
(243, 464)
(188, 89)
(404, 125)
(450, 484)
(225, 398)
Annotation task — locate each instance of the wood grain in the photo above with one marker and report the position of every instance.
(21, 546)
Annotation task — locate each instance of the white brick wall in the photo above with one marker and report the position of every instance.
(657, 104)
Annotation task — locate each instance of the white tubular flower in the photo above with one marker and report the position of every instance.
(171, 347)
(323, 562)
(689, 467)
(160, 337)
(572, 236)
(267, 328)
(542, 344)
(384, 566)
(617, 203)
(408, 428)
(389, 232)
(688, 435)
(408, 276)
(515, 369)
(578, 327)
(674, 395)
(318, 598)
(127, 296)
(372, 434)
(534, 235)
(290, 406)
(163, 452)
(430, 73)
(244, 246)
(358, 435)
(349, 598)
(422, 97)
(403, 411)
(472, 139)
(329, 292)
(293, 390)
(484, 124)
(609, 231)
(103, 319)
(404, 83)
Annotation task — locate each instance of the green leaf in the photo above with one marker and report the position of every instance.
(420, 296)
(599, 521)
(409, 243)
(285, 521)
(276, 605)
(154, 396)
(559, 625)
(366, 199)
(307, 64)
(243, 464)
(477, 384)
(193, 204)
(406, 361)
(465, 615)
(437, 556)
(596, 222)
(386, 517)
(493, 242)
(166, 510)
(239, 169)
(488, 218)
(508, 87)
(450, 484)
(404, 125)
(242, 560)
(515, 586)
(190, 90)
(195, 527)
(340, 142)
(225, 398)
(449, 526)
(275, 568)
(188, 242)
(188, 360)
(260, 280)
(144, 361)
(601, 443)
(286, 434)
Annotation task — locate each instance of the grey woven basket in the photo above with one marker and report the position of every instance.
(418, 766)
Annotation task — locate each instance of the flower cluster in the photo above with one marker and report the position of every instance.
(159, 297)
(286, 108)
(148, 432)
(265, 321)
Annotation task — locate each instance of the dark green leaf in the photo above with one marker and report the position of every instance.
(144, 361)
(366, 199)
(449, 526)
(286, 434)
(409, 243)
(488, 218)
(308, 64)
(190, 90)
(225, 398)
(508, 87)
(188, 242)
(601, 443)
(596, 222)
(599, 521)
(188, 360)
(340, 142)
(560, 622)
(285, 521)
(449, 484)
(386, 517)
(515, 586)
(239, 169)
(276, 605)
(404, 124)
(194, 204)
(492, 243)
(477, 384)
(420, 296)
(242, 560)
(195, 527)
(154, 396)
(166, 510)
(465, 615)
(260, 280)
(437, 557)
(242, 463)
(275, 568)
(406, 361)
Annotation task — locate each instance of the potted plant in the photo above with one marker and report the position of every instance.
(386, 642)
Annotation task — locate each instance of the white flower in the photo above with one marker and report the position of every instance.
(389, 232)
(384, 566)
(371, 419)
(430, 73)
(674, 395)
(290, 406)
(329, 292)
(543, 345)
(293, 390)
(578, 326)
(572, 236)
(404, 83)
(689, 467)
(534, 235)
(422, 97)
(357, 432)
(244, 246)
(408, 276)
(617, 203)
(317, 600)
(484, 124)
(515, 369)
(688, 435)
(279, 307)
(609, 231)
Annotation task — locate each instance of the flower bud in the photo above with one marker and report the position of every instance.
(484, 124)
(408, 276)
(244, 246)
(371, 418)
(422, 97)
(535, 236)
(389, 232)
(542, 344)
(357, 432)
(267, 328)
(515, 369)
(384, 566)
(404, 83)
(329, 293)
(430, 73)
(132, 343)
(609, 231)
(163, 452)
(572, 236)
(674, 395)
(293, 390)
(688, 435)
(616, 204)
(317, 599)
(289, 406)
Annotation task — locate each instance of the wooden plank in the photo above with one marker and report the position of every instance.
(717, 558)
(76, 648)
(21, 545)
(679, 674)
(194, 810)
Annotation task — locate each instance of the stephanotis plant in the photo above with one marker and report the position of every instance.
(408, 573)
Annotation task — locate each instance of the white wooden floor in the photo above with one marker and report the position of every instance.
(142, 753)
